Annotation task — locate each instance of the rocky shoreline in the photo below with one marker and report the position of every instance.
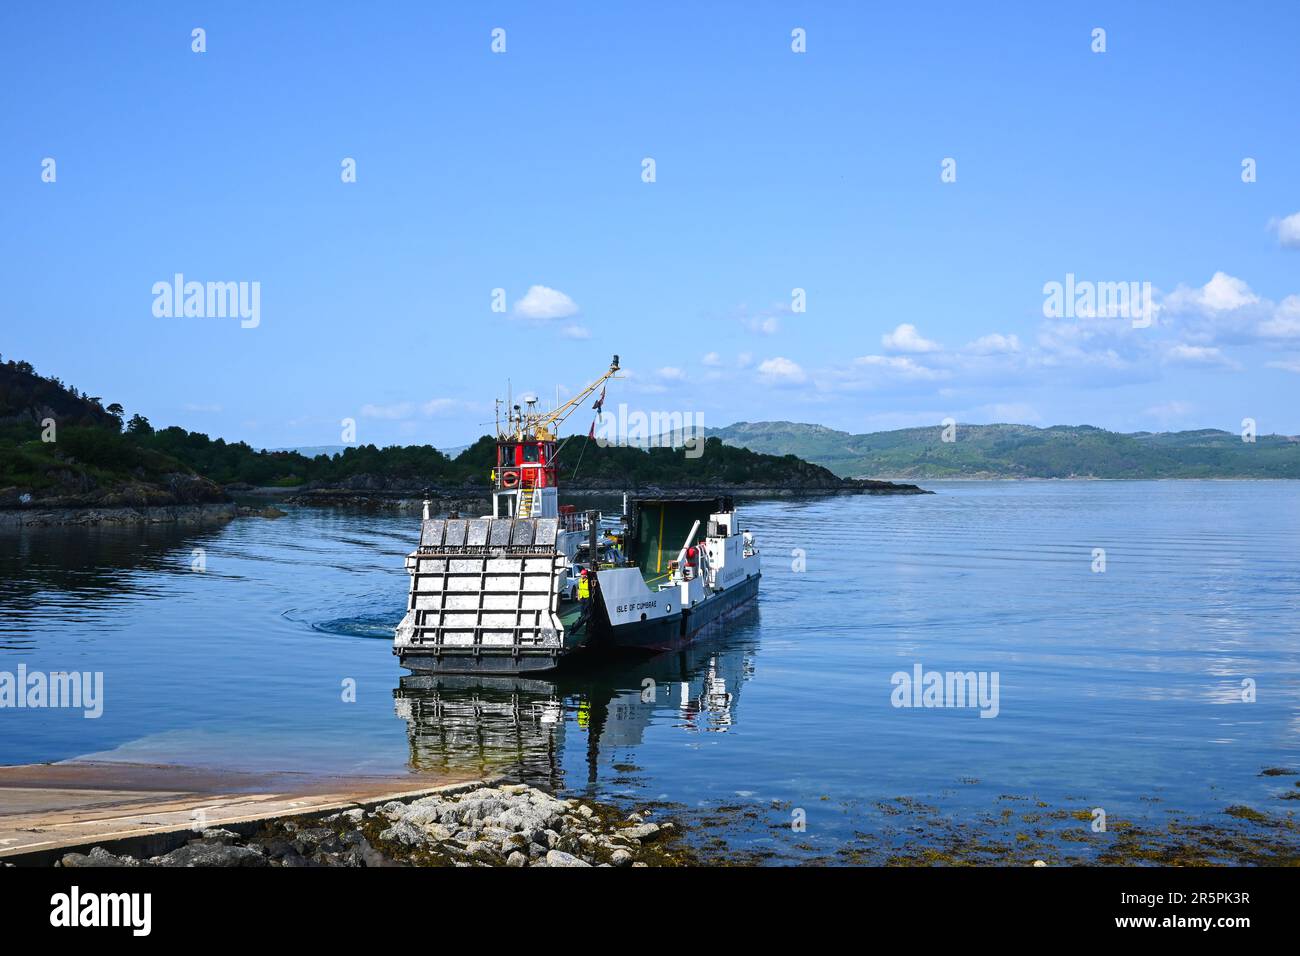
(204, 514)
(473, 500)
(395, 496)
(39, 517)
(511, 825)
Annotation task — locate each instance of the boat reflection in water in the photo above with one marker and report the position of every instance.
(528, 725)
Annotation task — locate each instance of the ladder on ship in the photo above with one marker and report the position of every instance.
(530, 502)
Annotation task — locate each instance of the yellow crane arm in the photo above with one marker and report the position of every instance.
(551, 421)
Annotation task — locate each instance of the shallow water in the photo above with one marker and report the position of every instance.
(1121, 689)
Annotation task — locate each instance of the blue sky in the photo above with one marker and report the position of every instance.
(774, 171)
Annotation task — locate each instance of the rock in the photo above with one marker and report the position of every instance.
(644, 831)
(97, 857)
(513, 788)
(221, 835)
(432, 818)
(525, 818)
(586, 812)
(640, 865)
(405, 833)
(516, 859)
(560, 858)
(552, 839)
(621, 858)
(365, 854)
(635, 818)
(276, 848)
(1039, 863)
(212, 854)
(318, 840)
(470, 811)
(514, 841)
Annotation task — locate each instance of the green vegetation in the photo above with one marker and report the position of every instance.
(95, 452)
(1022, 451)
(718, 464)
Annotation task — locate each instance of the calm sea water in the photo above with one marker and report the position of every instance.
(1121, 689)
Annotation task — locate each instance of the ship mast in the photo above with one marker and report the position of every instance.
(532, 425)
(524, 480)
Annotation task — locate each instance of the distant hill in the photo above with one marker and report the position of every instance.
(1023, 451)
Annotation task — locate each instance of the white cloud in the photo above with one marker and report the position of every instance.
(898, 366)
(575, 332)
(542, 302)
(905, 338)
(672, 374)
(1226, 311)
(634, 381)
(1287, 365)
(1183, 354)
(994, 344)
(766, 325)
(440, 406)
(395, 410)
(1223, 293)
(1288, 231)
(1285, 322)
(745, 359)
(203, 408)
(781, 370)
(712, 359)
(401, 410)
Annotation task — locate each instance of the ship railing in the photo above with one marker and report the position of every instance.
(574, 521)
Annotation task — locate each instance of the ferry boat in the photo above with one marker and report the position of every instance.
(502, 594)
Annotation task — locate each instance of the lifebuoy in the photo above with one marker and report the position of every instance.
(509, 479)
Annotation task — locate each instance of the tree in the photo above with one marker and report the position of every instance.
(116, 410)
(139, 425)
